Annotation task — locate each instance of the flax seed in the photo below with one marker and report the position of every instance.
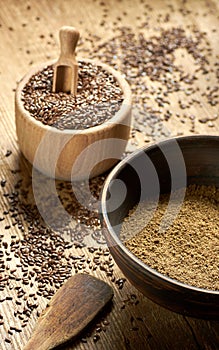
(95, 103)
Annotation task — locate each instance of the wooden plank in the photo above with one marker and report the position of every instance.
(28, 36)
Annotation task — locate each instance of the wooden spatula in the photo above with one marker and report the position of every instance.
(66, 68)
(70, 310)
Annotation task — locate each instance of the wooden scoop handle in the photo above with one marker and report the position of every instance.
(68, 39)
(66, 68)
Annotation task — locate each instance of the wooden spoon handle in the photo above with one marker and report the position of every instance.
(70, 310)
(68, 40)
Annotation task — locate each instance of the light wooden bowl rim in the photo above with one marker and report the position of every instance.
(116, 119)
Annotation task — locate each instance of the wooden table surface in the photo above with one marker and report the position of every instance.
(28, 36)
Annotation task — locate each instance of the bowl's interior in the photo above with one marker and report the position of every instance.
(171, 164)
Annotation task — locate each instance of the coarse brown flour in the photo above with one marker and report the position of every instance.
(188, 250)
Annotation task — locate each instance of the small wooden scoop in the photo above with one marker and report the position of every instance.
(70, 310)
(66, 69)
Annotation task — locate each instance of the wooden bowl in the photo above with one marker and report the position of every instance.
(201, 157)
(73, 154)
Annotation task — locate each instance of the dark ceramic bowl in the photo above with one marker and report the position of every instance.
(174, 162)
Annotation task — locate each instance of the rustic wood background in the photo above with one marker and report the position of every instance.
(28, 36)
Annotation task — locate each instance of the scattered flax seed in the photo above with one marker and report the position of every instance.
(98, 98)
(7, 340)
(96, 337)
(188, 250)
(44, 259)
(83, 340)
(151, 66)
(8, 153)
(3, 182)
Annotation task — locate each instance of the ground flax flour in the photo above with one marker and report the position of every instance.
(188, 250)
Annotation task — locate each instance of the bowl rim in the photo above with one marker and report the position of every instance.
(138, 263)
(117, 118)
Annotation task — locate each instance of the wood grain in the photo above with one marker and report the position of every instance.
(26, 40)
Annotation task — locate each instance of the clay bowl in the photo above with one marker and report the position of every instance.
(73, 154)
(194, 159)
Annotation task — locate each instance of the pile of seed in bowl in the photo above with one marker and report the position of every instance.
(188, 250)
(98, 98)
